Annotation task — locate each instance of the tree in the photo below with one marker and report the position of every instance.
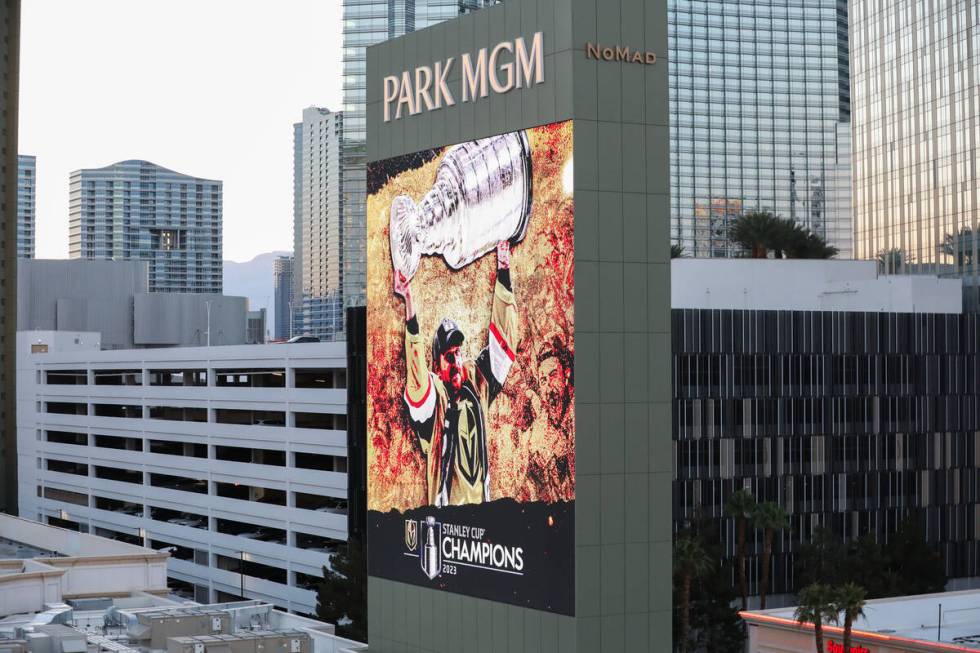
(891, 260)
(757, 232)
(919, 569)
(740, 507)
(760, 232)
(960, 246)
(342, 594)
(821, 559)
(866, 564)
(716, 626)
(849, 600)
(676, 251)
(769, 517)
(690, 562)
(905, 565)
(804, 244)
(815, 607)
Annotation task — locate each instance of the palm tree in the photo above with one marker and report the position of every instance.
(849, 600)
(740, 506)
(676, 251)
(960, 246)
(756, 231)
(805, 244)
(891, 261)
(816, 604)
(760, 232)
(691, 561)
(769, 517)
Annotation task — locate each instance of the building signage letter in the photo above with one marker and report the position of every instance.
(507, 68)
(471, 76)
(530, 63)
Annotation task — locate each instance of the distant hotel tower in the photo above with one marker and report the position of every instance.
(282, 273)
(318, 225)
(138, 210)
(26, 211)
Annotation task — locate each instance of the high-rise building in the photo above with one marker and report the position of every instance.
(282, 280)
(916, 124)
(759, 118)
(367, 22)
(10, 67)
(318, 224)
(26, 189)
(139, 210)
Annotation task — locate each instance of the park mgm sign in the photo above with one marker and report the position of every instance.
(507, 66)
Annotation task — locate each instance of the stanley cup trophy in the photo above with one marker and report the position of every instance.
(431, 559)
(481, 196)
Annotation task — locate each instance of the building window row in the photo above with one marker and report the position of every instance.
(238, 416)
(322, 378)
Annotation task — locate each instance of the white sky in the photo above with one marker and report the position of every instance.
(209, 88)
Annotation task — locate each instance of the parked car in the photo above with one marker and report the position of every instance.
(298, 339)
(184, 521)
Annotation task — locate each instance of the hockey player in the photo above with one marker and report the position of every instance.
(448, 404)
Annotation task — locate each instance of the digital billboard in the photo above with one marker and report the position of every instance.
(470, 356)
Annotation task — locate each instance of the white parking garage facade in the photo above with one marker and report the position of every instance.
(234, 458)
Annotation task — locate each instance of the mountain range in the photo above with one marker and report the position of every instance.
(253, 279)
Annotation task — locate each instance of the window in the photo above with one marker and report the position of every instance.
(178, 377)
(321, 378)
(179, 413)
(66, 377)
(250, 417)
(245, 378)
(320, 462)
(320, 421)
(118, 377)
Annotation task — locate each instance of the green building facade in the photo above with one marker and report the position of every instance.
(605, 69)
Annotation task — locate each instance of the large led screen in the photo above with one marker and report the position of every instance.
(471, 389)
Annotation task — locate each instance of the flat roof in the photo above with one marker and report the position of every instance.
(14, 550)
(29, 539)
(909, 619)
(807, 285)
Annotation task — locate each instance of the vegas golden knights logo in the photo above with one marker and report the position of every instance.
(411, 534)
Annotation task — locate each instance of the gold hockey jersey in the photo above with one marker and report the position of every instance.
(452, 430)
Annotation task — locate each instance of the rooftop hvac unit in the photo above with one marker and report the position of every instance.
(244, 642)
(158, 627)
(64, 639)
(13, 646)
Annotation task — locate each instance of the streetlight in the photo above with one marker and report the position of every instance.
(207, 304)
(241, 573)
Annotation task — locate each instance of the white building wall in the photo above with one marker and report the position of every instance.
(807, 285)
(35, 450)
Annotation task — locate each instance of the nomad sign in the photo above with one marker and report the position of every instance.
(618, 53)
(502, 68)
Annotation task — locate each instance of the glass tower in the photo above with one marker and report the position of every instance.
(367, 22)
(282, 283)
(916, 128)
(26, 190)
(318, 223)
(139, 210)
(759, 118)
